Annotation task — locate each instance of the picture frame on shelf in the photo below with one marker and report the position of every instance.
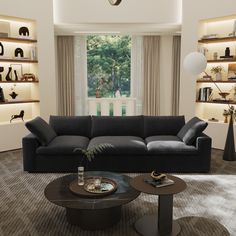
(231, 72)
(4, 29)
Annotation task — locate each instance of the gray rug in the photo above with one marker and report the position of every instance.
(204, 207)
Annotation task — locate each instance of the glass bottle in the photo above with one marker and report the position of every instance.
(81, 175)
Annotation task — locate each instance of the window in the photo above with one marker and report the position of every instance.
(108, 66)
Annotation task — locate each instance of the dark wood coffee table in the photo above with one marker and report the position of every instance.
(91, 213)
(162, 224)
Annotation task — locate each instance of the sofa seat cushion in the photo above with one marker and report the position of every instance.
(64, 144)
(168, 144)
(121, 145)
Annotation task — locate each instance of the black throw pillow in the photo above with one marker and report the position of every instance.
(191, 130)
(42, 130)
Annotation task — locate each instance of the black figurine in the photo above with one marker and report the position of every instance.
(1, 70)
(21, 115)
(2, 49)
(24, 31)
(19, 51)
(2, 99)
(8, 76)
(13, 95)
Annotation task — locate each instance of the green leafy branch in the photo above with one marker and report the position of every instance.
(91, 153)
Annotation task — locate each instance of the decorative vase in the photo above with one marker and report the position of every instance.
(226, 118)
(8, 76)
(81, 175)
(16, 76)
(98, 93)
(1, 70)
(2, 49)
(218, 76)
(2, 99)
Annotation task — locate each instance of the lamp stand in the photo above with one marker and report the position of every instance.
(229, 150)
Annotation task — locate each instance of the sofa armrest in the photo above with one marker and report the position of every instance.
(29, 143)
(203, 143)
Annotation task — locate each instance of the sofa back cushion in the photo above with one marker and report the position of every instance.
(71, 125)
(117, 126)
(191, 130)
(162, 125)
(42, 130)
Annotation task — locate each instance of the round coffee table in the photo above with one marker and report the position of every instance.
(162, 224)
(91, 213)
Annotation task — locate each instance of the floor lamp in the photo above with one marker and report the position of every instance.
(196, 63)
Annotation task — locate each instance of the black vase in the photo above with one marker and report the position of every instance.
(1, 49)
(1, 70)
(8, 76)
(16, 76)
(2, 99)
(227, 52)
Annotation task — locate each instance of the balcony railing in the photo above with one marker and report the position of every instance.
(111, 106)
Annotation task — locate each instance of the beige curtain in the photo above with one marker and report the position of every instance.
(151, 68)
(65, 58)
(176, 50)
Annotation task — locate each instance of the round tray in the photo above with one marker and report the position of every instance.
(83, 191)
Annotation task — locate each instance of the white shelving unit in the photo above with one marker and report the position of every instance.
(28, 91)
(212, 109)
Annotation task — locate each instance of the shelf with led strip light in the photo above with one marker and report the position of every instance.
(27, 90)
(213, 48)
(218, 40)
(19, 101)
(17, 40)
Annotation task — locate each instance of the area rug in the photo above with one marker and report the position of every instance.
(206, 207)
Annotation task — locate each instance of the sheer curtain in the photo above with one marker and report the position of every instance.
(176, 50)
(151, 69)
(80, 54)
(137, 82)
(65, 59)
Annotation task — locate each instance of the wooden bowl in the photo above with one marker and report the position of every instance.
(224, 95)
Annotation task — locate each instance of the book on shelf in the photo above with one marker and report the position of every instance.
(204, 94)
(158, 184)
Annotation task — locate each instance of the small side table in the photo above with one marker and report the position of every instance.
(163, 224)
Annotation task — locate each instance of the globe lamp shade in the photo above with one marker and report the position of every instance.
(195, 63)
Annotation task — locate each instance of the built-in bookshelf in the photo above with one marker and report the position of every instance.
(209, 103)
(18, 68)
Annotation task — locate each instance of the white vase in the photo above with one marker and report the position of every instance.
(218, 76)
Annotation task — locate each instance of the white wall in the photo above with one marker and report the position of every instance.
(193, 12)
(129, 11)
(42, 12)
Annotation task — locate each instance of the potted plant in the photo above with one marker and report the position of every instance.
(217, 71)
(89, 154)
(229, 112)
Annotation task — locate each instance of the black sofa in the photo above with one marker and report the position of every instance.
(140, 144)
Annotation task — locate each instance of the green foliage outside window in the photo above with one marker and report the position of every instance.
(109, 63)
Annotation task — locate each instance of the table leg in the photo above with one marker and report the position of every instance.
(161, 225)
(94, 219)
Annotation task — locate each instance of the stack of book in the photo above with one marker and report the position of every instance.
(204, 94)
